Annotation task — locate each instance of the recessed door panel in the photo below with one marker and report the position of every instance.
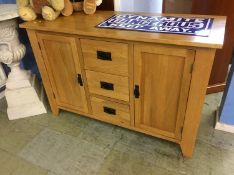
(162, 75)
(62, 63)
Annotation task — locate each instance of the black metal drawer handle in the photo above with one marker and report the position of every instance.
(104, 55)
(107, 86)
(108, 110)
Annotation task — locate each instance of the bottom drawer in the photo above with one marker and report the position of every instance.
(110, 111)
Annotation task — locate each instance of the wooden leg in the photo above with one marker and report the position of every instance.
(187, 150)
(55, 111)
(200, 77)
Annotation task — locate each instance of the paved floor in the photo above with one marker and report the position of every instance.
(74, 145)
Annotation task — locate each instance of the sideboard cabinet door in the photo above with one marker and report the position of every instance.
(162, 77)
(62, 62)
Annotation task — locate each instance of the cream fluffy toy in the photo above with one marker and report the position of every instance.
(91, 5)
(49, 9)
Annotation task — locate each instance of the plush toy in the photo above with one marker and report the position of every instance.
(91, 5)
(77, 5)
(49, 9)
(68, 8)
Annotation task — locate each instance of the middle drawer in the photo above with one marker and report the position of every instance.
(108, 85)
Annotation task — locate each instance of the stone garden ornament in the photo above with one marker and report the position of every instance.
(22, 98)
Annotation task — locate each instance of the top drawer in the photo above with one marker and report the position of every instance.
(103, 56)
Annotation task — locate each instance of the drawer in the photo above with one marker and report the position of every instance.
(110, 111)
(103, 56)
(108, 85)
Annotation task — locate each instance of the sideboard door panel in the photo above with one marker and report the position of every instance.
(162, 74)
(62, 63)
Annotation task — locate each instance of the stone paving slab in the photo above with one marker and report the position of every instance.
(63, 154)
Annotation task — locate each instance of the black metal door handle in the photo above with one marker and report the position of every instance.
(107, 86)
(104, 55)
(136, 91)
(79, 79)
(108, 110)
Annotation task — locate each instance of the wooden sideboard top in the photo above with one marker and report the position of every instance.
(84, 25)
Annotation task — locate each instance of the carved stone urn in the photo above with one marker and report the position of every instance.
(22, 90)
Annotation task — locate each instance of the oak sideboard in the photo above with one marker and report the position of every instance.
(152, 83)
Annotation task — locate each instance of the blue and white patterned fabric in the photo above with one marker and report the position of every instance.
(162, 24)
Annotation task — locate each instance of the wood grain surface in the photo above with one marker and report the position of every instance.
(85, 25)
(120, 85)
(118, 64)
(163, 75)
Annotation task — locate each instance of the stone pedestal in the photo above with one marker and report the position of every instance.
(23, 93)
(2, 82)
